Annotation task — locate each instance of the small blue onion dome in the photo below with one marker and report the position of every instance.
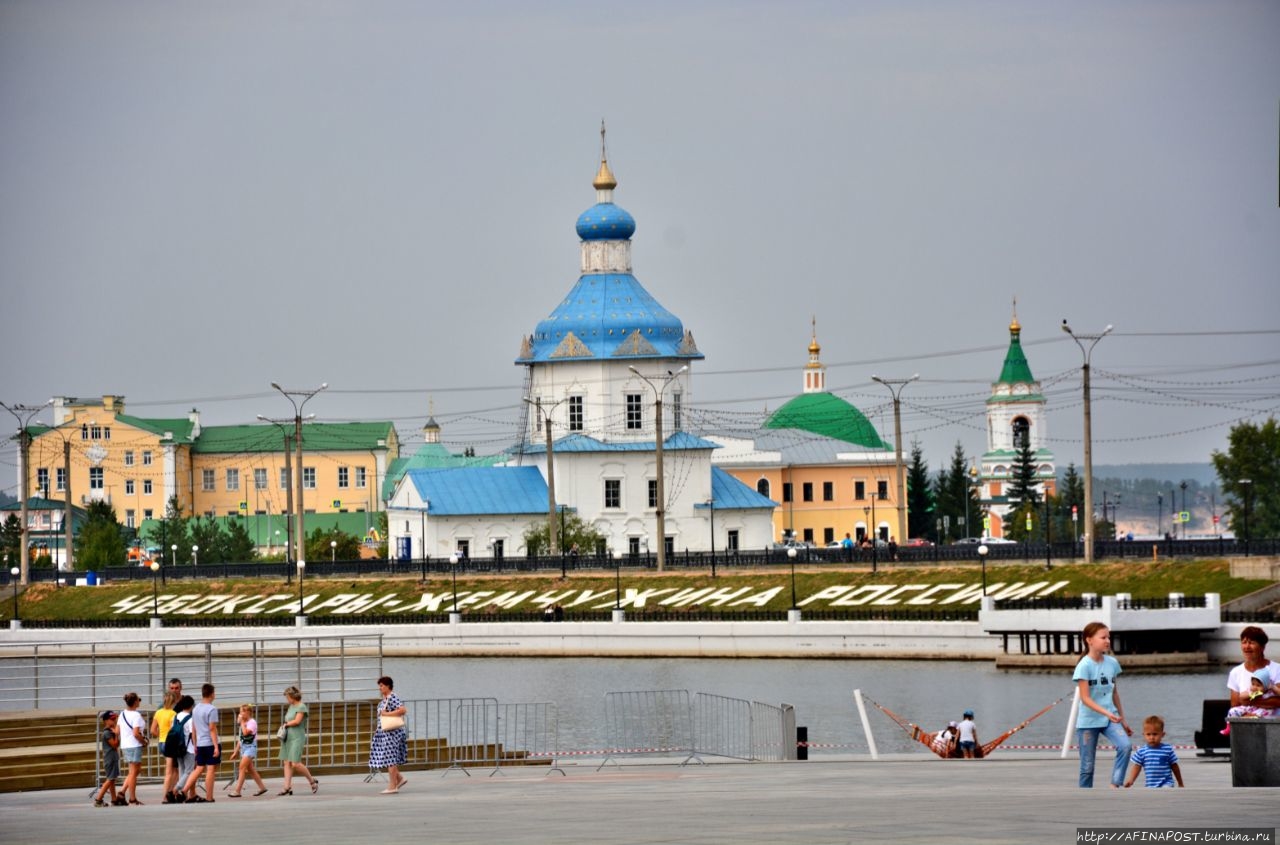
(605, 221)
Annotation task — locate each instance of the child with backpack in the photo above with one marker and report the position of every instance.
(178, 750)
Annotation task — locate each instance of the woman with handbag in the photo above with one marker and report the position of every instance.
(389, 747)
(295, 742)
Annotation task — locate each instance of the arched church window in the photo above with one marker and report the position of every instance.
(1021, 432)
(762, 487)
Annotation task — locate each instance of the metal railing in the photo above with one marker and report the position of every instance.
(42, 675)
(648, 722)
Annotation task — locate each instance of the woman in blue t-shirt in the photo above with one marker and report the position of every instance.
(1100, 711)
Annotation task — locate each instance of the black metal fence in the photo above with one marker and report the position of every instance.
(688, 561)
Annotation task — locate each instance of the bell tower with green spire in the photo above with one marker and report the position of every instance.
(1015, 415)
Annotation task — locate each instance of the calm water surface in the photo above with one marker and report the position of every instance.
(929, 693)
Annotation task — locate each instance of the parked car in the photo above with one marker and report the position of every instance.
(917, 543)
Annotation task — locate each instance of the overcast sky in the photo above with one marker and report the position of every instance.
(200, 198)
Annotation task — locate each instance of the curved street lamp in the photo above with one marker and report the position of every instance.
(299, 399)
(982, 556)
(661, 511)
(1086, 355)
(896, 386)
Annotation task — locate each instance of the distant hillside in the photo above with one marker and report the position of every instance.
(1202, 474)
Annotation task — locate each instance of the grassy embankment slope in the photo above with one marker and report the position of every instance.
(1142, 580)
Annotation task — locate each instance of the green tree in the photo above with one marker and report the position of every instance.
(101, 541)
(1070, 494)
(205, 533)
(11, 541)
(1253, 452)
(575, 532)
(237, 544)
(1024, 476)
(169, 532)
(954, 497)
(319, 548)
(920, 518)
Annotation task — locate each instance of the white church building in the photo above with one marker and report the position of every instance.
(597, 369)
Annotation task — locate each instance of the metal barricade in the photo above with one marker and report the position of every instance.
(528, 733)
(722, 726)
(458, 731)
(773, 731)
(648, 722)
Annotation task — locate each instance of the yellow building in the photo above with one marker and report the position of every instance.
(138, 464)
(824, 463)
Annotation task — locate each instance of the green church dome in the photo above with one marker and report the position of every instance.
(827, 415)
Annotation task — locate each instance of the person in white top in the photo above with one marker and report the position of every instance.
(968, 735)
(133, 738)
(1253, 647)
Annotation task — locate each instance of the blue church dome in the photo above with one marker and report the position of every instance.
(605, 221)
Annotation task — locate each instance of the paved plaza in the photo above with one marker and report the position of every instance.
(1011, 798)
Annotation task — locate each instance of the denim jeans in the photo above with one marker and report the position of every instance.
(1088, 741)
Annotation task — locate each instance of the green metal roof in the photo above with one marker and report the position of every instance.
(1016, 370)
(180, 427)
(316, 437)
(827, 415)
(262, 528)
(432, 456)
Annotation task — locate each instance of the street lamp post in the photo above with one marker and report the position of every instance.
(302, 606)
(661, 511)
(333, 551)
(1183, 485)
(24, 448)
(1247, 484)
(711, 503)
(155, 592)
(67, 521)
(791, 557)
(617, 586)
(453, 567)
(1087, 355)
(173, 555)
(299, 399)
(895, 390)
(14, 574)
(982, 556)
(875, 535)
(195, 556)
(288, 487)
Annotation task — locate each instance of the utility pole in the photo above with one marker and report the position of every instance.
(1086, 355)
(299, 399)
(661, 513)
(24, 448)
(545, 415)
(901, 497)
(288, 487)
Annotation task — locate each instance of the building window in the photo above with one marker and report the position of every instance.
(362, 477)
(146, 457)
(106, 432)
(537, 415)
(786, 491)
(84, 431)
(148, 514)
(859, 490)
(806, 490)
(882, 490)
(1021, 433)
(259, 478)
(653, 492)
(828, 536)
(344, 478)
(828, 491)
(499, 547)
(733, 539)
(284, 478)
(309, 478)
(208, 480)
(612, 493)
(42, 480)
(635, 412)
(128, 486)
(95, 478)
(146, 486)
(233, 479)
(130, 519)
(60, 479)
(575, 413)
(128, 457)
(762, 487)
(808, 535)
(677, 409)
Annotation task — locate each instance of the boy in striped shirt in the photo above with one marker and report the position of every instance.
(1158, 761)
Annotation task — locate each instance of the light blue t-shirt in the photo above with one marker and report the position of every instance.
(1157, 764)
(202, 717)
(1101, 676)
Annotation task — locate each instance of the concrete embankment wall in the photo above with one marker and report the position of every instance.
(879, 639)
